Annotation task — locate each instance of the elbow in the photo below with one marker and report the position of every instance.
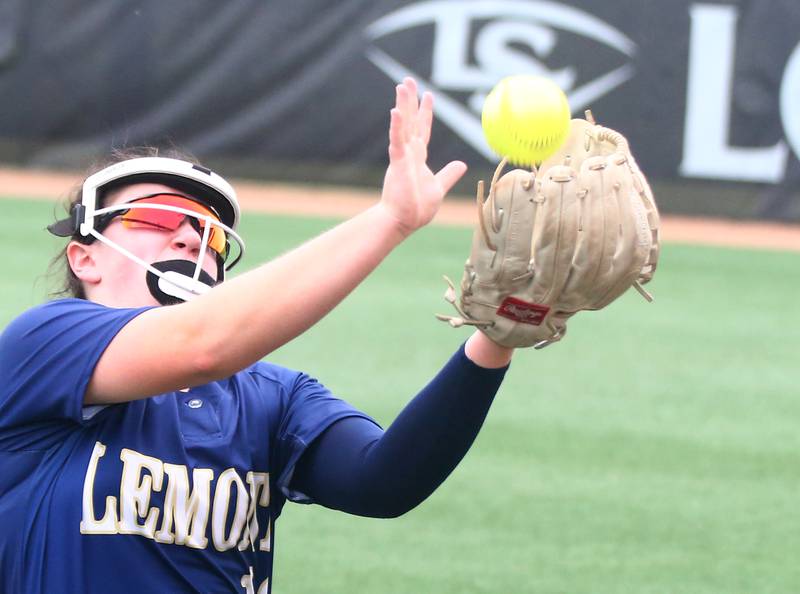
(391, 506)
(220, 353)
(391, 513)
(206, 360)
(205, 346)
(206, 367)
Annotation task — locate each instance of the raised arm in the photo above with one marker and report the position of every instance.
(355, 467)
(244, 319)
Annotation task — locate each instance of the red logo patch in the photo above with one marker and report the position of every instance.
(522, 311)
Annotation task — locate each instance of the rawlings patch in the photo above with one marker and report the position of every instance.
(522, 311)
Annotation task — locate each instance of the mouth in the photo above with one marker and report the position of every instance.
(179, 281)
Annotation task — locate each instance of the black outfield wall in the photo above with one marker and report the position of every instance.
(708, 93)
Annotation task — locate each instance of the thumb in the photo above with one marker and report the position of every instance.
(450, 174)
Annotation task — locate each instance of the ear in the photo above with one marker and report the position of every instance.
(81, 259)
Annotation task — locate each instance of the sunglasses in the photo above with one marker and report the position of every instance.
(170, 220)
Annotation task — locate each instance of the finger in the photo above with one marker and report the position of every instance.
(403, 107)
(450, 174)
(396, 140)
(411, 84)
(413, 103)
(426, 117)
(399, 97)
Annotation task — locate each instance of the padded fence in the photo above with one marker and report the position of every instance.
(708, 93)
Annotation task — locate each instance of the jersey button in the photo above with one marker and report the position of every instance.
(194, 403)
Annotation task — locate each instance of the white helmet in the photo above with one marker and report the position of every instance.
(197, 182)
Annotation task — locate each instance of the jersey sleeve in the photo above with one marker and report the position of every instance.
(47, 357)
(310, 408)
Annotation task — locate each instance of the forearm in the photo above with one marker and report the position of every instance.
(247, 317)
(355, 467)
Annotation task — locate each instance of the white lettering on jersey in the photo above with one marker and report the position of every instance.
(259, 495)
(222, 500)
(108, 523)
(247, 584)
(186, 513)
(189, 513)
(134, 493)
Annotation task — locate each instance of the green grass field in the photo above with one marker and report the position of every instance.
(656, 450)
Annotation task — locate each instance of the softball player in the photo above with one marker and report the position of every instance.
(146, 448)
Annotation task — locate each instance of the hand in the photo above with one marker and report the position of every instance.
(412, 193)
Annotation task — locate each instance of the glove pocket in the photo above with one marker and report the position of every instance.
(553, 233)
(508, 214)
(599, 232)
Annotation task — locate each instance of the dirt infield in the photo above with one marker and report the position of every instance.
(338, 202)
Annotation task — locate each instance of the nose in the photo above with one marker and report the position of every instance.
(186, 238)
(186, 243)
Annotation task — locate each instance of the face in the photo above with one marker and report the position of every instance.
(113, 279)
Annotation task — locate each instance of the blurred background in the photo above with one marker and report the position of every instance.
(654, 450)
(707, 92)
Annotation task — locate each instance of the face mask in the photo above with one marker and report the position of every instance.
(177, 284)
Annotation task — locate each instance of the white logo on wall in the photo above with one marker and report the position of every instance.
(513, 37)
(707, 151)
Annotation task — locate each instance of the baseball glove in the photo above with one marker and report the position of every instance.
(572, 235)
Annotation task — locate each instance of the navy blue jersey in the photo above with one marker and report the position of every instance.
(174, 493)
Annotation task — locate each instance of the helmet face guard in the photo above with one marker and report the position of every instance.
(199, 185)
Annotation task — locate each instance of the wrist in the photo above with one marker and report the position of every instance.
(390, 221)
(484, 352)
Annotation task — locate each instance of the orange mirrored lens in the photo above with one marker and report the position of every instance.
(167, 220)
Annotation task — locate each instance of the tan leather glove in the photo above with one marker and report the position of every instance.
(573, 234)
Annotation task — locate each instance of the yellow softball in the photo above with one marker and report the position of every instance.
(525, 118)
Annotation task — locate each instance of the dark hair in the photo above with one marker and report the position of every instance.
(69, 285)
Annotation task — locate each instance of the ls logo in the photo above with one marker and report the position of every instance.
(476, 43)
